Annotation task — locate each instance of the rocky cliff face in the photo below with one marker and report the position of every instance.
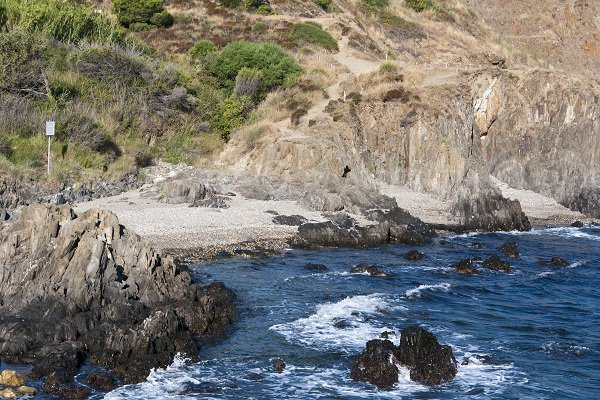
(73, 287)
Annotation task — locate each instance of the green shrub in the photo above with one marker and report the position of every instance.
(275, 65)
(201, 49)
(422, 5)
(309, 32)
(264, 9)
(260, 27)
(324, 4)
(230, 114)
(388, 68)
(375, 4)
(64, 21)
(151, 12)
(231, 3)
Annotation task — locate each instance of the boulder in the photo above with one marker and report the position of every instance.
(11, 378)
(577, 224)
(291, 220)
(414, 255)
(429, 362)
(85, 287)
(101, 381)
(554, 261)
(8, 393)
(26, 391)
(377, 364)
(495, 263)
(465, 267)
(510, 249)
(372, 270)
(279, 365)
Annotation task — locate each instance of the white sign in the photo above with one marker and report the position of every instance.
(50, 127)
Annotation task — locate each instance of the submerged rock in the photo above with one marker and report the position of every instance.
(372, 270)
(414, 255)
(429, 362)
(495, 263)
(466, 266)
(82, 287)
(315, 267)
(510, 249)
(555, 261)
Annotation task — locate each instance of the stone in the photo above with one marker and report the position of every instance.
(85, 287)
(414, 255)
(315, 267)
(495, 263)
(8, 393)
(510, 249)
(577, 224)
(465, 267)
(279, 365)
(11, 378)
(27, 390)
(372, 270)
(291, 220)
(376, 364)
(554, 261)
(429, 362)
(101, 381)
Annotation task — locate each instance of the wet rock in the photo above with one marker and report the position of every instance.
(483, 358)
(465, 361)
(376, 364)
(11, 378)
(26, 391)
(577, 224)
(316, 267)
(372, 270)
(430, 363)
(414, 255)
(495, 263)
(101, 381)
(386, 334)
(554, 261)
(279, 365)
(341, 323)
(96, 291)
(8, 393)
(291, 220)
(253, 376)
(465, 267)
(53, 385)
(510, 249)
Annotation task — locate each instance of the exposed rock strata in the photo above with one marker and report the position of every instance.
(82, 287)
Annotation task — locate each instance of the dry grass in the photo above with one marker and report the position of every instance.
(249, 137)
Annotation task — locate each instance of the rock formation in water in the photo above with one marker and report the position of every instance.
(429, 362)
(85, 287)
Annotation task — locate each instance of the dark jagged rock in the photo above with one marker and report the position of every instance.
(279, 365)
(510, 249)
(554, 261)
(430, 363)
(343, 230)
(465, 267)
(316, 267)
(372, 270)
(55, 386)
(495, 263)
(577, 224)
(414, 255)
(341, 323)
(101, 381)
(376, 364)
(291, 220)
(75, 287)
(587, 201)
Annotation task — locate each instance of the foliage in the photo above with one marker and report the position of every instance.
(260, 27)
(324, 4)
(275, 65)
(136, 12)
(231, 3)
(202, 48)
(109, 64)
(264, 9)
(422, 5)
(66, 21)
(22, 63)
(309, 32)
(388, 68)
(249, 82)
(375, 4)
(230, 114)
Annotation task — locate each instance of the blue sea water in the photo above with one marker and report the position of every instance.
(539, 325)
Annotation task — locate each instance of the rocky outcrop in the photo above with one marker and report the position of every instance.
(84, 287)
(372, 270)
(429, 362)
(466, 266)
(495, 263)
(510, 249)
(414, 255)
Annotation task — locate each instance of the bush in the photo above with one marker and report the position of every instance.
(110, 65)
(230, 114)
(388, 68)
(22, 64)
(260, 27)
(422, 5)
(151, 12)
(249, 82)
(231, 3)
(275, 65)
(5, 146)
(310, 32)
(375, 4)
(201, 49)
(264, 9)
(64, 21)
(324, 4)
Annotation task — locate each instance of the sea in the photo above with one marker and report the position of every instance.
(538, 326)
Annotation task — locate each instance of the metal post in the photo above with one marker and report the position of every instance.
(49, 137)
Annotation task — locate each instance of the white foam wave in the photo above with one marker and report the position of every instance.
(546, 274)
(416, 292)
(567, 348)
(167, 383)
(353, 317)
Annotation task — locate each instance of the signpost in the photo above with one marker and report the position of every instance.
(50, 128)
